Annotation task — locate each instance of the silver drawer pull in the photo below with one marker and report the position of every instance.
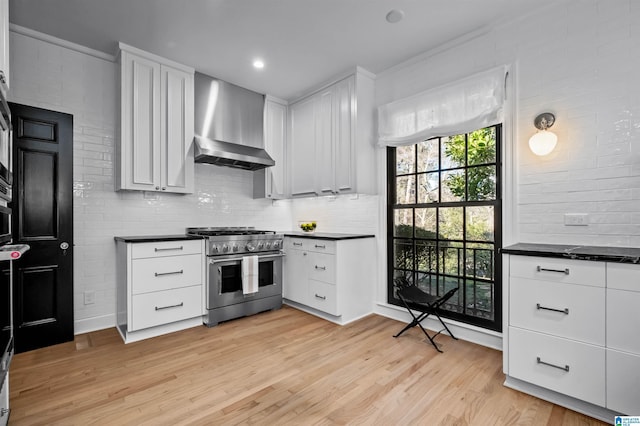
(169, 248)
(4, 411)
(297, 244)
(563, 311)
(319, 246)
(561, 271)
(565, 368)
(159, 274)
(170, 306)
(321, 297)
(322, 268)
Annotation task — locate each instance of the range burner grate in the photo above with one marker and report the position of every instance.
(213, 232)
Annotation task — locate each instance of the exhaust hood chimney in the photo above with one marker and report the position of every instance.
(228, 125)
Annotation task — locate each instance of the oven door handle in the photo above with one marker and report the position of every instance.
(214, 260)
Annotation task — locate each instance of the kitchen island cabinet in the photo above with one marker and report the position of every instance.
(156, 125)
(570, 326)
(160, 286)
(330, 276)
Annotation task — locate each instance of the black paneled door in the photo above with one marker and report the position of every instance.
(43, 218)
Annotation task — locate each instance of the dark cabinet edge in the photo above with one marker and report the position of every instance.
(592, 253)
(327, 236)
(156, 238)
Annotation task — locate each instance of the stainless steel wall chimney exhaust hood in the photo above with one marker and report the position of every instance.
(228, 125)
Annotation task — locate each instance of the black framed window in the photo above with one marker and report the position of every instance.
(444, 222)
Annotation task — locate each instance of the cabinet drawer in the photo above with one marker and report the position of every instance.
(623, 320)
(585, 378)
(312, 244)
(154, 274)
(321, 246)
(323, 296)
(322, 267)
(166, 248)
(623, 277)
(558, 270)
(623, 383)
(534, 305)
(164, 307)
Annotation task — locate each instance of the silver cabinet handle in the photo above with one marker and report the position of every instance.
(169, 248)
(164, 188)
(4, 411)
(318, 246)
(3, 79)
(170, 306)
(565, 368)
(297, 244)
(322, 268)
(561, 271)
(159, 274)
(321, 297)
(563, 311)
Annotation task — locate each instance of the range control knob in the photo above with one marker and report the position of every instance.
(225, 248)
(276, 244)
(215, 248)
(235, 247)
(250, 247)
(260, 245)
(267, 245)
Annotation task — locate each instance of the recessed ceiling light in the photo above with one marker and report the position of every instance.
(394, 16)
(258, 64)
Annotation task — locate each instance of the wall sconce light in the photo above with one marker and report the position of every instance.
(543, 142)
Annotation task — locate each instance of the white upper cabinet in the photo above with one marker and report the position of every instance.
(271, 182)
(156, 143)
(302, 143)
(331, 141)
(4, 45)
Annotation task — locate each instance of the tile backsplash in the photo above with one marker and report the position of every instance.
(49, 76)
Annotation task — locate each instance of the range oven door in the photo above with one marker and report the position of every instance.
(224, 279)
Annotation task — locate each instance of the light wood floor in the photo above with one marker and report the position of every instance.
(275, 368)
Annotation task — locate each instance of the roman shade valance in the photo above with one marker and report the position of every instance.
(459, 107)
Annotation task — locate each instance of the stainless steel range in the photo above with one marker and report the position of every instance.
(227, 249)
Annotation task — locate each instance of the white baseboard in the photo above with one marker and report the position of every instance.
(87, 325)
(468, 332)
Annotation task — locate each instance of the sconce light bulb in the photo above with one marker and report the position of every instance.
(543, 142)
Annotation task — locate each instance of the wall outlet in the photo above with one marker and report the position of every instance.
(576, 219)
(89, 297)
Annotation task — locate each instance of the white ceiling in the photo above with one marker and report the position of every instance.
(304, 43)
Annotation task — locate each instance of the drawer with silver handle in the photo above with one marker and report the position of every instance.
(322, 267)
(166, 248)
(163, 307)
(323, 296)
(558, 270)
(165, 273)
(312, 244)
(566, 310)
(562, 365)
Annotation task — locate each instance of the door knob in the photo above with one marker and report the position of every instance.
(64, 245)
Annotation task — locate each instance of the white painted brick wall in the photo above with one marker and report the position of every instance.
(49, 76)
(578, 59)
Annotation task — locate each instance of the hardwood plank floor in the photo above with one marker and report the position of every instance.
(280, 367)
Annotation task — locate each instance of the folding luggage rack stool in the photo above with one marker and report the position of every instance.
(423, 302)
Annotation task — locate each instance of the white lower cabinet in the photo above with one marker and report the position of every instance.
(570, 333)
(160, 286)
(330, 278)
(562, 365)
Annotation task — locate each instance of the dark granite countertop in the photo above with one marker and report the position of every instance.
(326, 235)
(595, 253)
(156, 238)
